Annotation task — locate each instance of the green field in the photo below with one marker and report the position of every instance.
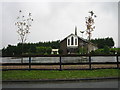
(65, 74)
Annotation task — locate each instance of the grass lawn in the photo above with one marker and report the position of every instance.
(65, 74)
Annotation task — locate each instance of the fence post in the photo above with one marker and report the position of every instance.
(117, 62)
(29, 63)
(60, 64)
(89, 62)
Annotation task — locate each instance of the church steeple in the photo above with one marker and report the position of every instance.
(75, 30)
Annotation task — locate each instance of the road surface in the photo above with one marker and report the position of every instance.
(63, 84)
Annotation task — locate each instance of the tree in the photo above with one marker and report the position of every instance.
(30, 48)
(23, 24)
(102, 42)
(89, 24)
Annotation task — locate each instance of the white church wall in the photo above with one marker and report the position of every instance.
(69, 41)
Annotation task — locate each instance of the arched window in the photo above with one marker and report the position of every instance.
(72, 41)
(68, 41)
(76, 41)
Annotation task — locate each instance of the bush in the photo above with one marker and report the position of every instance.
(82, 50)
(106, 50)
(97, 52)
(48, 50)
(60, 51)
(118, 51)
(43, 50)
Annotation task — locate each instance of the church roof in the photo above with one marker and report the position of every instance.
(79, 38)
(76, 36)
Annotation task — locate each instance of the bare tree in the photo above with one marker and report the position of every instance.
(23, 24)
(90, 25)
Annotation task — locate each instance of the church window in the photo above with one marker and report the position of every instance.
(68, 41)
(72, 41)
(76, 41)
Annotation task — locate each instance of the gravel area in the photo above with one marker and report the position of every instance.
(57, 66)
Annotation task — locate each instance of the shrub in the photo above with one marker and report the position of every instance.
(43, 50)
(60, 51)
(97, 52)
(106, 50)
(82, 50)
(48, 50)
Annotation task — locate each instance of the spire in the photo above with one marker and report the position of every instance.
(75, 30)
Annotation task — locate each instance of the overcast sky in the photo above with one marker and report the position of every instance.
(56, 20)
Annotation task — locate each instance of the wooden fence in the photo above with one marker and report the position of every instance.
(60, 65)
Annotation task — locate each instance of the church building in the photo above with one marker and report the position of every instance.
(72, 43)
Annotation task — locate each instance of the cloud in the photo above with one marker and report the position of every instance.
(56, 20)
